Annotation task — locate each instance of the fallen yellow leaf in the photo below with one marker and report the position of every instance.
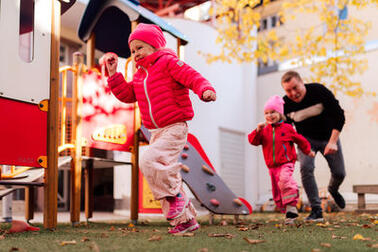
(63, 243)
(184, 234)
(250, 241)
(358, 237)
(243, 229)
(228, 236)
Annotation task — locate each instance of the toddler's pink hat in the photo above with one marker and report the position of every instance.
(276, 103)
(149, 33)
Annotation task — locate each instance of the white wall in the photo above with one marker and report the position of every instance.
(236, 98)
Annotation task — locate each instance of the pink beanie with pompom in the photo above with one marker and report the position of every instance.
(276, 103)
(149, 33)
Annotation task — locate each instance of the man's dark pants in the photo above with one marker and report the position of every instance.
(307, 165)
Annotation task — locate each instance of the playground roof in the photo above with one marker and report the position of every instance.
(169, 6)
(110, 21)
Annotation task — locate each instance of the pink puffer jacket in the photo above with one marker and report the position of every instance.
(161, 87)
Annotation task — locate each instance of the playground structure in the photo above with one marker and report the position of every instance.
(80, 132)
(36, 28)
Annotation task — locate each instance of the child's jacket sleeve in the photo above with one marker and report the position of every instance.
(301, 141)
(255, 138)
(122, 89)
(187, 76)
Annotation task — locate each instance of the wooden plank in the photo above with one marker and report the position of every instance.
(50, 204)
(370, 211)
(365, 189)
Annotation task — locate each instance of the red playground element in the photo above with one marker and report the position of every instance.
(23, 133)
(108, 123)
(214, 202)
(21, 226)
(246, 203)
(184, 155)
(196, 144)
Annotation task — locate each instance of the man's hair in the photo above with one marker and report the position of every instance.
(289, 75)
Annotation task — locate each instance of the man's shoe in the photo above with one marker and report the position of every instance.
(339, 199)
(177, 206)
(189, 226)
(290, 218)
(316, 215)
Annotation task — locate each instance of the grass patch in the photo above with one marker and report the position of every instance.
(335, 235)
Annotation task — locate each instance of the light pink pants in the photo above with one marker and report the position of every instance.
(284, 187)
(159, 165)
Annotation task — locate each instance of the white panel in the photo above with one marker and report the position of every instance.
(20, 80)
(232, 160)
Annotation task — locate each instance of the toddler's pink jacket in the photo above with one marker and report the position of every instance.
(161, 87)
(278, 143)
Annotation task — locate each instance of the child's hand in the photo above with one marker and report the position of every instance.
(109, 64)
(311, 154)
(209, 95)
(260, 126)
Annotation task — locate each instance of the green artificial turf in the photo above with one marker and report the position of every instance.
(267, 230)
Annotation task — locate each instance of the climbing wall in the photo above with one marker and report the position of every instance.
(206, 185)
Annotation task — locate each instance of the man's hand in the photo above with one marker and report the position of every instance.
(330, 148)
(260, 126)
(209, 95)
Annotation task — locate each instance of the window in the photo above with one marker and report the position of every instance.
(270, 22)
(26, 39)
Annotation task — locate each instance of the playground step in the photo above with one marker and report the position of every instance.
(65, 162)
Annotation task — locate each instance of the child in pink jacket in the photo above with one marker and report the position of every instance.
(161, 87)
(277, 139)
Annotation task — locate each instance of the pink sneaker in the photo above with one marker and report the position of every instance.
(176, 206)
(189, 226)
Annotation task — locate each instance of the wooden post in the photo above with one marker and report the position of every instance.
(50, 204)
(361, 203)
(29, 203)
(91, 50)
(134, 204)
(89, 188)
(76, 167)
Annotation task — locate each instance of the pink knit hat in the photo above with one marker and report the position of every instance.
(149, 33)
(276, 103)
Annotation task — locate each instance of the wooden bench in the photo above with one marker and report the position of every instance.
(361, 190)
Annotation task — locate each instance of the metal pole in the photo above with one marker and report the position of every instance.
(7, 200)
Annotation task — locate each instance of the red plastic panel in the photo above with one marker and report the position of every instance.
(23, 133)
(107, 123)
